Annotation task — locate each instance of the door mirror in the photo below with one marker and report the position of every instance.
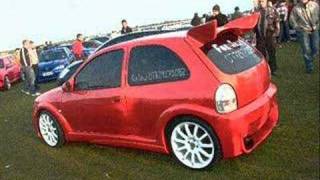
(68, 86)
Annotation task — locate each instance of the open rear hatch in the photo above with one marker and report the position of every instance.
(231, 59)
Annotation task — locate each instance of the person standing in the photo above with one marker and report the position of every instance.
(237, 14)
(125, 28)
(267, 29)
(283, 12)
(77, 47)
(29, 87)
(217, 15)
(34, 62)
(196, 20)
(17, 56)
(305, 20)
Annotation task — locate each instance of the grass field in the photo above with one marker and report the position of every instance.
(292, 152)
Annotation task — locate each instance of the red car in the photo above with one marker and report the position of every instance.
(10, 72)
(200, 95)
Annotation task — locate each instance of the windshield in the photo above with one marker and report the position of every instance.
(234, 57)
(53, 55)
(1, 64)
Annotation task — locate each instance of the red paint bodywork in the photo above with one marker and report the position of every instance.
(138, 116)
(11, 70)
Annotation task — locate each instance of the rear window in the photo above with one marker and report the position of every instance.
(234, 57)
(1, 64)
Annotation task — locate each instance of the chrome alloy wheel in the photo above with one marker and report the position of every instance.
(48, 130)
(192, 145)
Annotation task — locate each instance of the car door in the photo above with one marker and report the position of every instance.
(156, 79)
(97, 104)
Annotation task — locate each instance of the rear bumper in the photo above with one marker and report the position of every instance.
(242, 131)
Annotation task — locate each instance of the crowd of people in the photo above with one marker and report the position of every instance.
(274, 26)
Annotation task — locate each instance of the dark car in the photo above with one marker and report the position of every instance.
(52, 62)
(129, 37)
(68, 72)
(101, 39)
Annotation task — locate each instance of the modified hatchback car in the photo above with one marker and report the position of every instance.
(201, 95)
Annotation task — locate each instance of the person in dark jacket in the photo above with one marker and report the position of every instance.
(196, 20)
(217, 15)
(267, 30)
(125, 28)
(237, 14)
(26, 63)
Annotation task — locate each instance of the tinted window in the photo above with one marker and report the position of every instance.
(1, 64)
(102, 72)
(234, 57)
(155, 64)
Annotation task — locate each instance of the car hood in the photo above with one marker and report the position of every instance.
(52, 64)
(52, 97)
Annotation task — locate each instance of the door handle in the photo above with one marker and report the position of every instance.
(116, 99)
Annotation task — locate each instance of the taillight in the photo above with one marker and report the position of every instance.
(226, 99)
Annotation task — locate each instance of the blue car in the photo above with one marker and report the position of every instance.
(52, 62)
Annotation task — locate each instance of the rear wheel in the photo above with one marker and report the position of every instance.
(50, 130)
(7, 83)
(194, 144)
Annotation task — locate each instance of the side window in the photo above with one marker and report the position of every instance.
(102, 72)
(155, 64)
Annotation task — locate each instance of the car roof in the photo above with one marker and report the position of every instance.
(54, 49)
(155, 37)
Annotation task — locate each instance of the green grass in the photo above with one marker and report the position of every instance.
(292, 152)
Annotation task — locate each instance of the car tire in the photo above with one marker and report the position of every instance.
(50, 130)
(193, 143)
(7, 83)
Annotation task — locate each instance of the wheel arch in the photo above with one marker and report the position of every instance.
(203, 114)
(53, 111)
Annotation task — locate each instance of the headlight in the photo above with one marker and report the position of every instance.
(59, 67)
(226, 99)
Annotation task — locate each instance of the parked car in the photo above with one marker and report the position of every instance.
(101, 39)
(10, 72)
(68, 72)
(200, 95)
(90, 46)
(52, 62)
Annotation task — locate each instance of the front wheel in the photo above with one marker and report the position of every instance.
(50, 130)
(194, 144)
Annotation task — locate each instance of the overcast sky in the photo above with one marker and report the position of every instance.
(42, 20)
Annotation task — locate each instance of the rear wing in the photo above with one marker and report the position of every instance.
(210, 31)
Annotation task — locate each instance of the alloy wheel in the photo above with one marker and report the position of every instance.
(48, 130)
(192, 144)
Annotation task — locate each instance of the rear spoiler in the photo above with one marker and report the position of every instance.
(210, 31)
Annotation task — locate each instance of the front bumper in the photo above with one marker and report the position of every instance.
(54, 76)
(240, 132)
